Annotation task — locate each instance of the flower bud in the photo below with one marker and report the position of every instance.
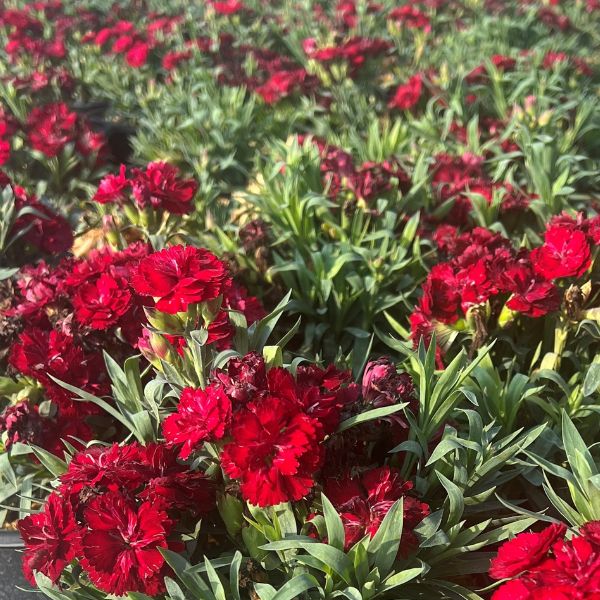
(164, 322)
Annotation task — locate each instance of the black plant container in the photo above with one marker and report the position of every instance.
(118, 134)
(11, 574)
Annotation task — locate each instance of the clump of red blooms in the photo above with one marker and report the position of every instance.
(546, 565)
(50, 128)
(366, 182)
(70, 313)
(457, 178)
(117, 505)
(408, 94)
(483, 267)
(158, 187)
(363, 501)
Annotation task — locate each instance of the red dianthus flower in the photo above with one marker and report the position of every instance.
(121, 545)
(102, 303)
(202, 415)
(51, 539)
(565, 253)
(179, 276)
(276, 446)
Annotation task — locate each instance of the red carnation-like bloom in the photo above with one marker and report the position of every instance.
(565, 253)
(514, 590)
(51, 127)
(382, 385)
(407, 94)
(364, 501)
(173, 484)
(549, 567)
(524, 551)
(113, 467)
(441, 298)
(325, 393)
(160, 187)
(532, 295)
(591, 531)
(245, 378)
(102, 303)
(276, 447)
(22, 423)
(202, 415)
(411, 17)
(51, 538)
(112, 188)
(137, 55)
(229, 7)
(179, 276)
(39, 354)
(121, 545)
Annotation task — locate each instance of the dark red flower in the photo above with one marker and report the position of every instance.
(591, 532)
(137, 55)
(382, 385)
(502, 63)
(525, 551)
(120, 545)
(227, 7)
(202, 415)
(245, 378)
(51, 127)
(254, 234)
(105, 260)
(372, 180)
(39, 354)
(179, 276)
(513, 590)
(410, 16)
(100, 304)
(364, 501)
(441, 298)
(553, 20)
(325, 393)
(44, 229)
(172, 484)
(276, 446)
(237, 298)
(112, 188)
(283, 83)
(51, 537)
(171, 60)
(407, 95)
(22, 423)
(565, 253)
(532, 295)
(38, 286)
(160, 187)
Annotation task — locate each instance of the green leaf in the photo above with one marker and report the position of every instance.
(336, 536)
(55, 465)
(295, 587)
(192, 581)
(376, 413)
(456, 502)
(385, 543)
(400, 578)
(592, 379)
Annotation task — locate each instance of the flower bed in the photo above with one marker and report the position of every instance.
(301, 299)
